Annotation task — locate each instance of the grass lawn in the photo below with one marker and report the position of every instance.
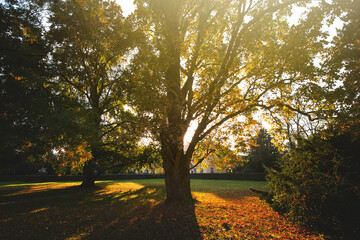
(134, 209)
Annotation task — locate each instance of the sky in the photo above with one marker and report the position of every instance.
(127, 6)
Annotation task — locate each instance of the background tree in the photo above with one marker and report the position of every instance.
(262, 153)
(212, 152)
(342, 61)
(336, 98)
(90, 41)
(207, 62)
(28, 107)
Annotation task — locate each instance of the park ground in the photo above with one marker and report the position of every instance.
(135, 209)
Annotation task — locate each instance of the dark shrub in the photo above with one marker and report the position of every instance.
(318, 184)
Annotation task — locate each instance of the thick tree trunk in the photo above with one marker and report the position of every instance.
(88, 175)
(176, 164)
(177, 177)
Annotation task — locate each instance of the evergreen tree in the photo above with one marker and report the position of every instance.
(262, 154)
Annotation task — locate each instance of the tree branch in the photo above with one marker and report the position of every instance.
(202, 159)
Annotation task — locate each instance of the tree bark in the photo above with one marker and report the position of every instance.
(177, 180)
(176, 166)
(88, 175)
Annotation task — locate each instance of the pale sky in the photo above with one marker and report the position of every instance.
(127, 6)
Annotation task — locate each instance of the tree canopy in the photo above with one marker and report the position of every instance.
(28, 108)
(90, 41)
(214, 63)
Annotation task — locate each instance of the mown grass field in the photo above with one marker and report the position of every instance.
(135, 209)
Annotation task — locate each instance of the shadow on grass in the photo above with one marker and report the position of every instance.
(98, 213)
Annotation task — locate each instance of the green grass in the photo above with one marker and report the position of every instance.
(195, 183)
(225, 185)
(135, 209)
(10, 183)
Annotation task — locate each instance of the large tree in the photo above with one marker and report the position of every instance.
(333, 96)
(27, 105)
(90, 41)
(342, 65)
(205, 62)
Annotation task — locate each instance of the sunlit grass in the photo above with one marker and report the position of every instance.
(27, 188)
(135, 210)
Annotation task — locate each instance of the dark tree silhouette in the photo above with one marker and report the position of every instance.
(263, 153)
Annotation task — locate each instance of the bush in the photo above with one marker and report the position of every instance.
(318, 184)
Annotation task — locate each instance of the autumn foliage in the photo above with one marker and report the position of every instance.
(318, 184)
(246, 217)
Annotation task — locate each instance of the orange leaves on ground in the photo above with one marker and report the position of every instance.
(244, 218)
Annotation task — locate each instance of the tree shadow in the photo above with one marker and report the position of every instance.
(161, 221)
(97, 213)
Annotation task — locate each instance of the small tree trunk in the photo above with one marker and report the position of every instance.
(177, 180)
(88, 175)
